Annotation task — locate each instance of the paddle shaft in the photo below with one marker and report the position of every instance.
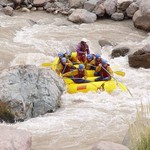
(116, 80)
(64, 69)
(120, 73)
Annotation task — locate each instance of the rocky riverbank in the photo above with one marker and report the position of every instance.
(87, 11)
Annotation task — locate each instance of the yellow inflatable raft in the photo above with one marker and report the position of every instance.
(72, 87)
(107, 86)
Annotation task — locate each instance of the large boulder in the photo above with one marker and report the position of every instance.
(141, 18)
(8, 11)
(110, 6)
(122, 5)
(132, 9)
(103, 42)
(76, 3)
(140, 58)
(30, 91)
(82, 16)
(39, 3)
(117, 16)
(119, 51)
(90, 5)
(99, 10)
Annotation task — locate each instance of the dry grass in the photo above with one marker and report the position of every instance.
(140, 130)
(5, 113)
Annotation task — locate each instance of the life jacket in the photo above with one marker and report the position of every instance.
(104, 73)
(65, 68)
(80, 74)
(84, 47)
(74, 59)
(88, 61)
(97, 62)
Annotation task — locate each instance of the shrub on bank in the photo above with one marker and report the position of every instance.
(5, 113)
(140, 130)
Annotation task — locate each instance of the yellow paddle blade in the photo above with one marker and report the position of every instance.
(47, 64)
(109, 86)
(122, 86)
(53, 63)
(121, 73)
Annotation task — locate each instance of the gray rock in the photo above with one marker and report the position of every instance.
(39, 3)
(140, 58)
(141, 18)
(110, 6)
(99, 10)
(8, 11)
(103, 42)
(123, 4)
(120, 51)
(90, 5)
(76, 3)
(30, 91)
(117, 16)
(132, 9)
(82, 16)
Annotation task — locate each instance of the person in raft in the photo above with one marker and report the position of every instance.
(88, 64)
(91, 65)
(60, 55)
(78, 75)
(82, 50)
(72, 58)
(64, 66)
(104, 71)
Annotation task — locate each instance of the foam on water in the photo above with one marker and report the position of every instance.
(84, 118)
(31, 59)
(93, 116)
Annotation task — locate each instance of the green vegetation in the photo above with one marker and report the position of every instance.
(140, 130)
(5, 113)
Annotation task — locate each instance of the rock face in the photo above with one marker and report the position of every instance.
(110, 6)
(14, 139)
(103, 42)
(30, 91)
(86, 11)
(140, 58)
(132, 9)
(82, 16)
(141, 18)
(120, 51)
(117, 16)
(8, 11)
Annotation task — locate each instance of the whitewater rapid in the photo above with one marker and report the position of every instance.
(84, 118)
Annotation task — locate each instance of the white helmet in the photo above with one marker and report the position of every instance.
(84, 40)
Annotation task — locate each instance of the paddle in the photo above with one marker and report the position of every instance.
(64, 69)
(47, 64)
(120, 85)
(120, 73)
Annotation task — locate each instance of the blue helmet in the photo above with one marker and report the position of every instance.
(104, 61)
(60, 54)
(81, 66)
(63, 59)
(98, 56)
(89, 56)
